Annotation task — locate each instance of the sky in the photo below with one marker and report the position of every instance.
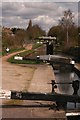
(45, 14)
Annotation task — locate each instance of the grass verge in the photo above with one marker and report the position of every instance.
(12, 60)
(12, 50)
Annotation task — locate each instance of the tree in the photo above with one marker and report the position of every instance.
(67, 23)
(29, 31)
(12, 38)
(30, 25)
(19, 37)
(7, 40)
(34, 31)
(14, 30)
(54, 31)
(37, 31)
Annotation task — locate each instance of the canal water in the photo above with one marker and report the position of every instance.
(66, 76)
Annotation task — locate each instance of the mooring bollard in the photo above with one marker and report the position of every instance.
(37, 60)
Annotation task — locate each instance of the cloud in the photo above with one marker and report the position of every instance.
(40, 1)
(45, 14)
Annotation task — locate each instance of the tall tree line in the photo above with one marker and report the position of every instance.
(17, 37)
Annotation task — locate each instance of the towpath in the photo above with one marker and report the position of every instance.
(33, 78)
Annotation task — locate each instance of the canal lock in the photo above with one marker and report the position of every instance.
(65, 73)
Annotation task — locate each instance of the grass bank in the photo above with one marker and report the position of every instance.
(12, 50)
(26, 53)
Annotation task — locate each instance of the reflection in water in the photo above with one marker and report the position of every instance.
(66, 77)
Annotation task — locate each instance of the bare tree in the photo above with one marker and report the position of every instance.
(67, 22)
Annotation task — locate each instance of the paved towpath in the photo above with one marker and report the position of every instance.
(14, 77)
(42, 76)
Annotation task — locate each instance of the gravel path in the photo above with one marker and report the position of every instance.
(15, 77)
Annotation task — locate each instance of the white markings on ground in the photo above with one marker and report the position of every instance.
(5, 94)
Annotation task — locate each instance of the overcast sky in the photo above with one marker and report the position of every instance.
(45, 14)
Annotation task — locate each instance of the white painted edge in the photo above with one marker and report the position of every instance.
(73, 114)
